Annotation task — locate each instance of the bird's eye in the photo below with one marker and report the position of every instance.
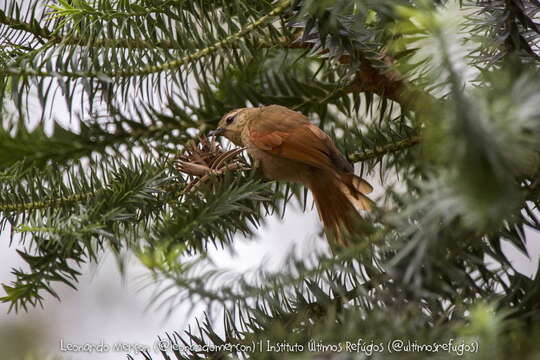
(230, 120)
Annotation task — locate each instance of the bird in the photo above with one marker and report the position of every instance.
(288, 147)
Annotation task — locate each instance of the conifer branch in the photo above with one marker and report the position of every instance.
(52, 203)
(387, 83)
(33, 28)
(87, 10)
(65, 201)
(162, 67)
(379, 151)
(54, 38)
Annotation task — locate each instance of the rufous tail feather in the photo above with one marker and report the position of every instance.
(338, 199)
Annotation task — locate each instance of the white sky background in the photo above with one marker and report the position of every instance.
(109, 308)
(105, 307)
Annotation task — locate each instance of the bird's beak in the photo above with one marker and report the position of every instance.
(217, 132)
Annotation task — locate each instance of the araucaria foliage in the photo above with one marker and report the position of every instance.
(438, 99)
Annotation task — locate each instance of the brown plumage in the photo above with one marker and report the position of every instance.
(288, 147)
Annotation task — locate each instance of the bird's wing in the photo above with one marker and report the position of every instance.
(288, 134)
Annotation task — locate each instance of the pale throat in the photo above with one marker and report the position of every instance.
(235, 137)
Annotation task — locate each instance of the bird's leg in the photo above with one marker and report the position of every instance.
(257, 166)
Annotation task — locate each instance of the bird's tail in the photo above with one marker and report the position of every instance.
(338, 199)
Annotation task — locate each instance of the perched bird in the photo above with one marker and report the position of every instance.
(288, 147)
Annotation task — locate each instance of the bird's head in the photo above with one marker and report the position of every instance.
(232, 124)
